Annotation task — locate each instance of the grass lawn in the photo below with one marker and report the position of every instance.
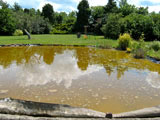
(58, 39)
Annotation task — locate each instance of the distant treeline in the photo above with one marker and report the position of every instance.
(110, 20)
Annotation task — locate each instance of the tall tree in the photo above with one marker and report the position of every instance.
(17, 7)
(48, 12)
(3, 4)
(111, 7)
(7, 23)
(123, 3)
(82, 15)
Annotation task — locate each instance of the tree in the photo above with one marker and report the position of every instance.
(127, 9)
(95, 21)
(7, 23)
(111, 7)
(48, 12)
(123, 3)
(142, 10)
(82, 15)
(17, 7)
(112, 28)
(4, 4)
(26, 10)
(34, 23)
(136, 25)
(97, 12)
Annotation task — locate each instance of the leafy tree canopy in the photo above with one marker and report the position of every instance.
(48, 12)
(82, 15)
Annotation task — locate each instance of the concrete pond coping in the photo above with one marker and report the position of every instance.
(27, 110)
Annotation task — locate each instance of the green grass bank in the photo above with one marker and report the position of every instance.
(58, 39)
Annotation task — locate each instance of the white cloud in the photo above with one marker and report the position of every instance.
(155, 8)
(38, 4)
(94, 2)
(43, 2)
(59, 72)
(151, 8)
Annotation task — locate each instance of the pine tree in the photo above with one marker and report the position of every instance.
(111, 7)
(82, 15)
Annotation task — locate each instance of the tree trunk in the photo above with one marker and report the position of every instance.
(28, 34)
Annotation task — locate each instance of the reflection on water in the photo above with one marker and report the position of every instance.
(58, 72)
(104, 80)
(153, 79)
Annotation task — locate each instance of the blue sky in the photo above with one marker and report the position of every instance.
(69, 5)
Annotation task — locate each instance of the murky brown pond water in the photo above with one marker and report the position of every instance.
(99, 79)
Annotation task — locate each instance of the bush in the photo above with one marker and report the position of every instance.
(139, 53)
(139, 48)
(136, 25)
(124, 41)
(112, 27)
(155, 46)
(62, 28)
(18, 32)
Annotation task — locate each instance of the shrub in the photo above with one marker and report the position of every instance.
(18, 32)
(139, 53)
(124, 41)
(139, 48)
(137, 24)
(129, 50)
(155, 46)
(62, 28)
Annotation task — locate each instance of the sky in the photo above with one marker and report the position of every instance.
(71, 5)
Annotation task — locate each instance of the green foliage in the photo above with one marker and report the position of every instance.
(35, 24)
(155, 46)
(97, 12)
(123, 3)
(7, 22)
(3, 4)
(139, 53)
(127, 9)
(139, 48)
(83, 15)
(112, 27)
(124, 41)
(17, 7)
(95, 21)
(111, 7)
(136, 25)
(142, 10)
(48, 12)
(62, 28)
(156, 26)
(18, 33)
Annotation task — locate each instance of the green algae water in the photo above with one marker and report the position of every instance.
(98, 79)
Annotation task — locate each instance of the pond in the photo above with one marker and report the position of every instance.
(99, 79)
